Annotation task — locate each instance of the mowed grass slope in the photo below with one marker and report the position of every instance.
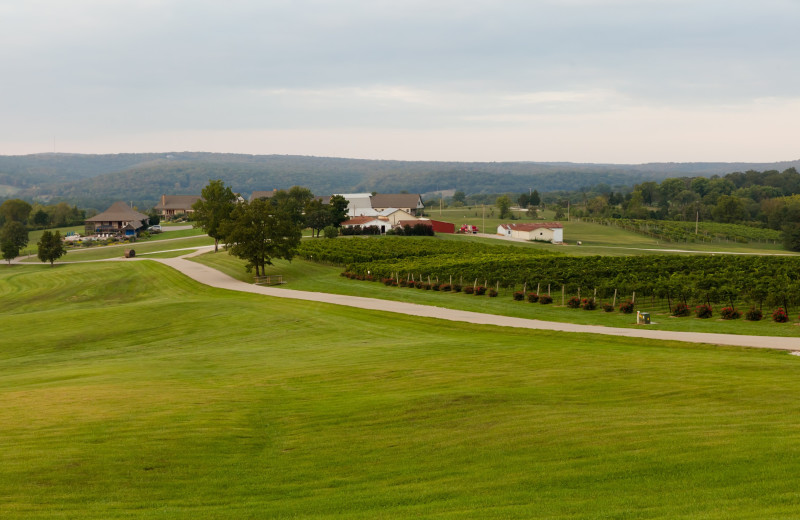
(129, 391)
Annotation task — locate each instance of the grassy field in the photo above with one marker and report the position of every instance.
(163, 242)
(308, 276)
(129, 391)
(600, 240)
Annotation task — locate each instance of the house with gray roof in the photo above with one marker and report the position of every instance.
(119, 219)
(411, 203)
(171, 205)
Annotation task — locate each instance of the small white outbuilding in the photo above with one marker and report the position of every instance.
(544, 231)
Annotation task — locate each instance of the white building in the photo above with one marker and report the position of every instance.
(544, 231)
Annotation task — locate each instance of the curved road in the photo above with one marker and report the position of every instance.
(215, 278)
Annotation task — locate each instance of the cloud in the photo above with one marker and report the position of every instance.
(93, 68)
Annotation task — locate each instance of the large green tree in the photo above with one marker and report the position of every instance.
(338, 209)
(16, 210)
(213, 209)
(13, 237)
(503, 203)
(263, 230)
(535, 198)
(50, 247)
(729, 209)
(318, 216)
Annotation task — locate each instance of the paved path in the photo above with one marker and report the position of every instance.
(215, 278)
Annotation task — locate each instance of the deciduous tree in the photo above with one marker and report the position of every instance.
(16, 210)
(13, 237)
(318, 216)
(263, 230)
(338, 209)
(213, 209)
(503, 203)
(50, 247)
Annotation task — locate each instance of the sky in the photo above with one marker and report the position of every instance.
(614, 81)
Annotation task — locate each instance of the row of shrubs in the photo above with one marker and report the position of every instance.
(533, 297)
(477, 290)
(704, 311)
(680, 310)
(588, 304)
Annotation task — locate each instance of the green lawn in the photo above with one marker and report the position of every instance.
(98, 252)
(130, 391)
(308, 276)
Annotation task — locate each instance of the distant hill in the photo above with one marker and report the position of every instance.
(95, 181)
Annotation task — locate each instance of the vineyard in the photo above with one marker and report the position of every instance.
(358, 250)
(676, 231)
(728, 279)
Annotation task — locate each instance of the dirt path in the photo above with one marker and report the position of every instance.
(215, 278)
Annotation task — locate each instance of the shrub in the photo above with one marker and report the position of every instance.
(574, 302)
(427, 286)
(435, 286)
(388, 281)
(492, 293)
(480, 290)
(779, 315)
(608, 307)
(445, 287)
(533, 297)
(545, 299)
(456, 287)
(753, 314)
(402, 283)
(626, 307)
(588, 304)
(704, 311)
(469, 289)
(419, 285)
(330, 231)
(519, 296)
(680, 309)
(730, 313)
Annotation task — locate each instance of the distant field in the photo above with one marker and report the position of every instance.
(130, 391)
(597, 239)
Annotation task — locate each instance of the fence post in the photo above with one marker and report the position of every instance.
(562, 295)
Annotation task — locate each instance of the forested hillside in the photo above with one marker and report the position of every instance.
(95, 181)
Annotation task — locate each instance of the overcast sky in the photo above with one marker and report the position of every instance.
(624, 81)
